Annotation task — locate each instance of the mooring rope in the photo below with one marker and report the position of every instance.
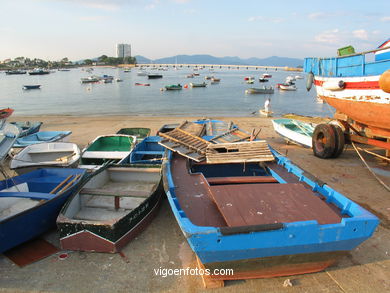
(369, 168)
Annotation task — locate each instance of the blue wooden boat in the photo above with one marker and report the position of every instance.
(148, 151)
(8, 135)
(30, 203)
(266, 220)
(27, 127)
(41, 137)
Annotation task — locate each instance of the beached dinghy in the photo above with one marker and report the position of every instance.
(139, 132)
(148, 151)
(8, 135)
(116, 204)
(52, 154)
(262, 220)
(30, 203)
(27, 127)
(295, 131)
(41, 137)
(106, 148)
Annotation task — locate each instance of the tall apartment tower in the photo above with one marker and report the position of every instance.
(123, 50)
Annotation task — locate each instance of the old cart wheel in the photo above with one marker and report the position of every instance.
(324, 143)
(339, 141)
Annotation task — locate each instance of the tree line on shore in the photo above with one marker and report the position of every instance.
(24, 62)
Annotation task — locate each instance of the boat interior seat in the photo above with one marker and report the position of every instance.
(113, 192)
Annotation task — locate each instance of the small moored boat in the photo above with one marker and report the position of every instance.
(30, 203)
(287, 87)
(90, 79)
(14, 72)
(142, 84)
(32, 87)
(173, 87)
(38, 71)
(263, 90)
(41, 137)
(203, 84)
(154, 76)
(43, 155)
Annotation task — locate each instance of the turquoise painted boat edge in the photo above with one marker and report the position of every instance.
(294, 238)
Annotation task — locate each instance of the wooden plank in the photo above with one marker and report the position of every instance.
(241, 179)
(193, 194)
(207, 280)
(267, 203)
(111, 192)
(254, 151)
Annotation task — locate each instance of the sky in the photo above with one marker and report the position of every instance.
(79, 29)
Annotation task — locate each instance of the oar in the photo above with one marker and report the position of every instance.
(62, 183)
(69, 184)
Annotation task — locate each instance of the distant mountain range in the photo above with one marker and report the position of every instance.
(208, 59)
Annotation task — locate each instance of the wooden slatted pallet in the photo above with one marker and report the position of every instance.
(185, 143)
(193, 128)
(233, 135)
(238, 152)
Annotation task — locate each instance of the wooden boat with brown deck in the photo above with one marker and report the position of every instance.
(262, 219)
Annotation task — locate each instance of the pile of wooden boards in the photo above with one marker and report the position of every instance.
(233, 146)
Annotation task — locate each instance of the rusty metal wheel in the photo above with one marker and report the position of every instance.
(340, 141)
(324, 141)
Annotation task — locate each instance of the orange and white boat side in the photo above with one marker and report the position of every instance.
(360, 98)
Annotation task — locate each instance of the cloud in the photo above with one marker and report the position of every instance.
(317, 15)
(385, 19)
(181, 1)
(152, 5)
(269, 19)
(329, 36)
(112, 5)
(360, 34)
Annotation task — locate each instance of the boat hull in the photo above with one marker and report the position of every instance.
(37, 220)
(361, 99)
(99, 234)
(290, 135)
(265, 250)
(95, 238)
(277, 266)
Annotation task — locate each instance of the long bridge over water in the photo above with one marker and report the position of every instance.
(220, 66)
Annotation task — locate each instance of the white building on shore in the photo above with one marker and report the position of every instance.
(123, 50)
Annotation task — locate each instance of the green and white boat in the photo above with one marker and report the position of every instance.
(294, 131)
(173, 87)
(106, 149)
(139, 132)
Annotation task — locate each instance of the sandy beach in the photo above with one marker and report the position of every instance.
(162, 245)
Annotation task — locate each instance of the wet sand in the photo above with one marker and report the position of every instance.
(162, 245)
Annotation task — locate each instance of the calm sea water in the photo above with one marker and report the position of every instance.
(62, 93)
